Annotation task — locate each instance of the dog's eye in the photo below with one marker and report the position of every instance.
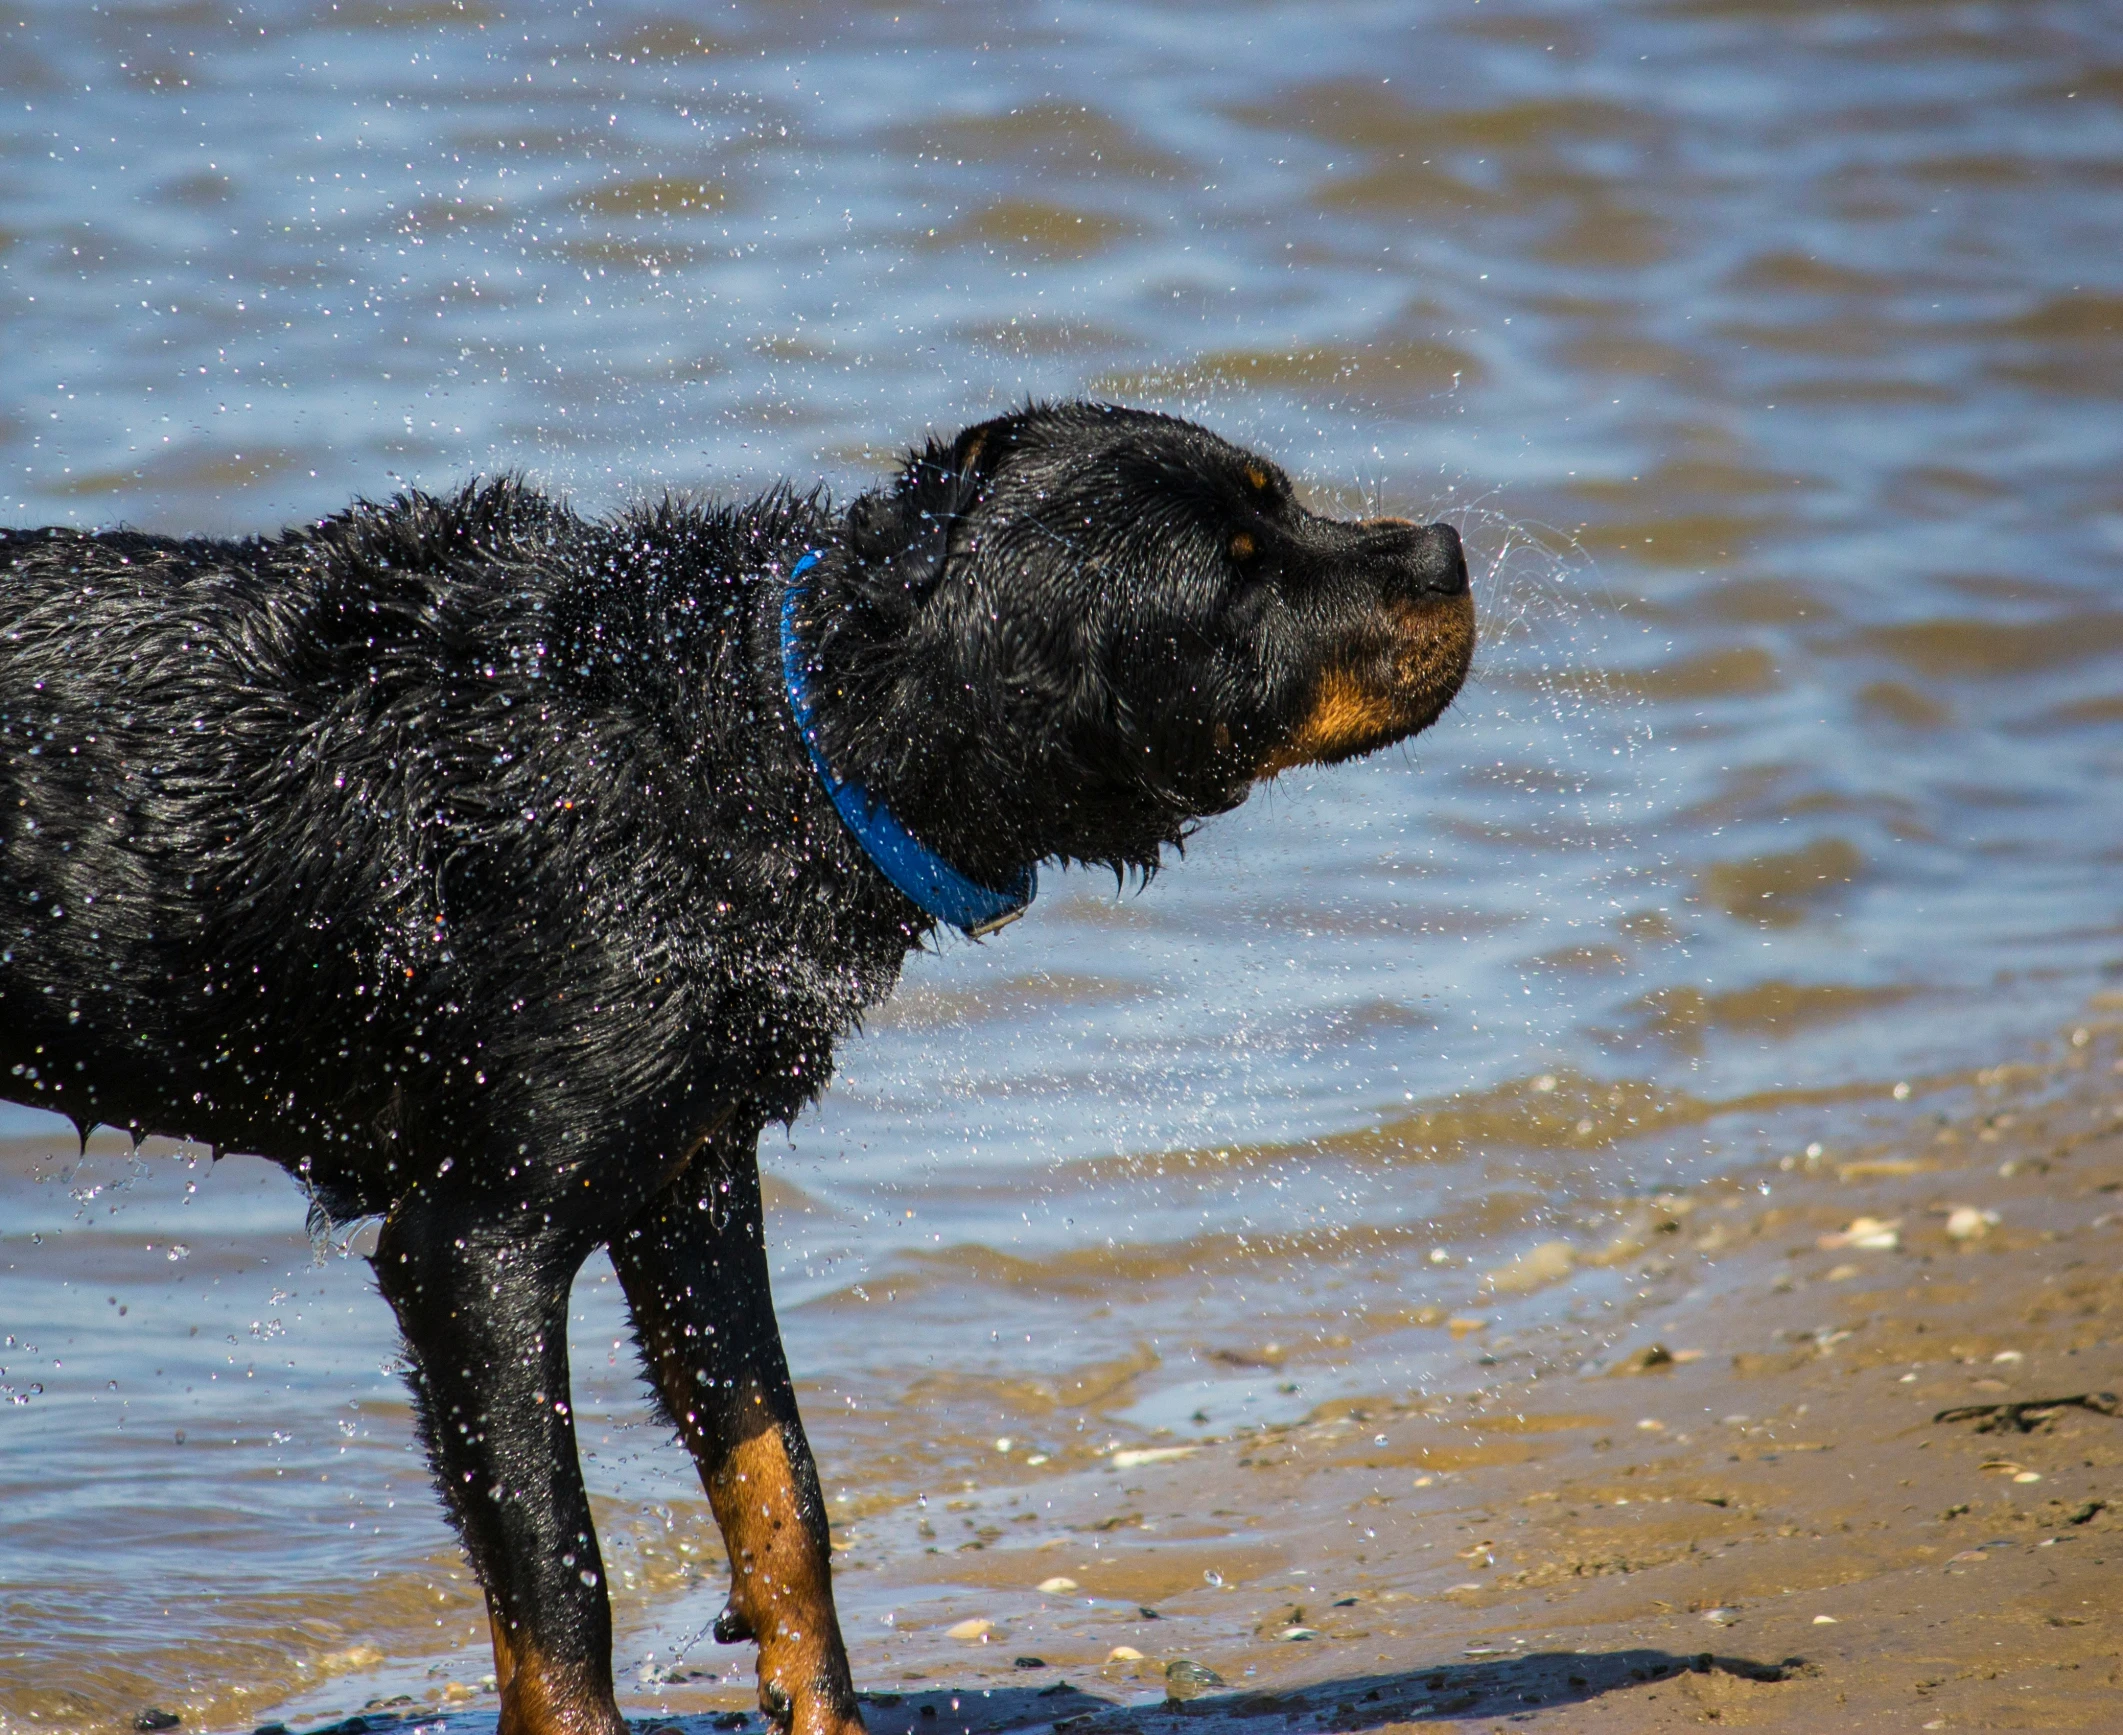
(1242, 546)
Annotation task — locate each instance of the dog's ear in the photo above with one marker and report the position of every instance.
(901, 534)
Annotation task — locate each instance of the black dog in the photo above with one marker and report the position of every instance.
(505, 873)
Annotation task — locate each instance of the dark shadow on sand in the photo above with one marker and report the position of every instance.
(1490, 1686)
(1345, 1705)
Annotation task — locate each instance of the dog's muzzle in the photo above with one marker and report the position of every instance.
(1409, 659)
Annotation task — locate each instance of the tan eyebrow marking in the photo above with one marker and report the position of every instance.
(1257, 478)
(1242, 546)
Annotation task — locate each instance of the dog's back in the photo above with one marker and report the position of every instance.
(389, 819)
(125, 660)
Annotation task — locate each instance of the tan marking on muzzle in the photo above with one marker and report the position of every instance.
(1352, 713)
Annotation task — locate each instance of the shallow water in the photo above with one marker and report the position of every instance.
(1769, 357)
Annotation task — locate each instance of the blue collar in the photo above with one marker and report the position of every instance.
(929, 882)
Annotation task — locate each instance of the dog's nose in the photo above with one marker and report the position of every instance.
(1427, 558)
(1442, 561)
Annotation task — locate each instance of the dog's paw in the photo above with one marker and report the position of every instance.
(812, 1713)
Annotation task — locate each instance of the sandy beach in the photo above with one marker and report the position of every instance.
(1751, 1516)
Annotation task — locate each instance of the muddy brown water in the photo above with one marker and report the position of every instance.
(1770, 358)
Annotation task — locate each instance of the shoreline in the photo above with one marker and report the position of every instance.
(1748, 1514)
(1708, 1484)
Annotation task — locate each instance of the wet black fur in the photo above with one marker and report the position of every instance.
(460, 852)
(406, 832)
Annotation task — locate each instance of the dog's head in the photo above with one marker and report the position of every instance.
(1076, 630)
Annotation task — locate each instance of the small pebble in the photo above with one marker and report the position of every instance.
(1124, 1654)
(1028, 1662)
(1721, 1617)
(1137, 1456)
(970, 1630)
(1056, 1586)
(1186, 1679)
(1870, 1233)
(1826, 1621)
(1298, 1633)
(154, 1717)
(1967, 1223)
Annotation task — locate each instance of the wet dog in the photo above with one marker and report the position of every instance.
(503, 874)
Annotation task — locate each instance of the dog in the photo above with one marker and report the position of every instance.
(503, 873)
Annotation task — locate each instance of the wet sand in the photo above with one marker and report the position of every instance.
(1760, 1522)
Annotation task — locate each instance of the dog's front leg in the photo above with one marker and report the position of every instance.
(480, 1286)
(694, 1266)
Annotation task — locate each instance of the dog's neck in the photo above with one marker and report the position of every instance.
(895, 712)
(924, 877)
